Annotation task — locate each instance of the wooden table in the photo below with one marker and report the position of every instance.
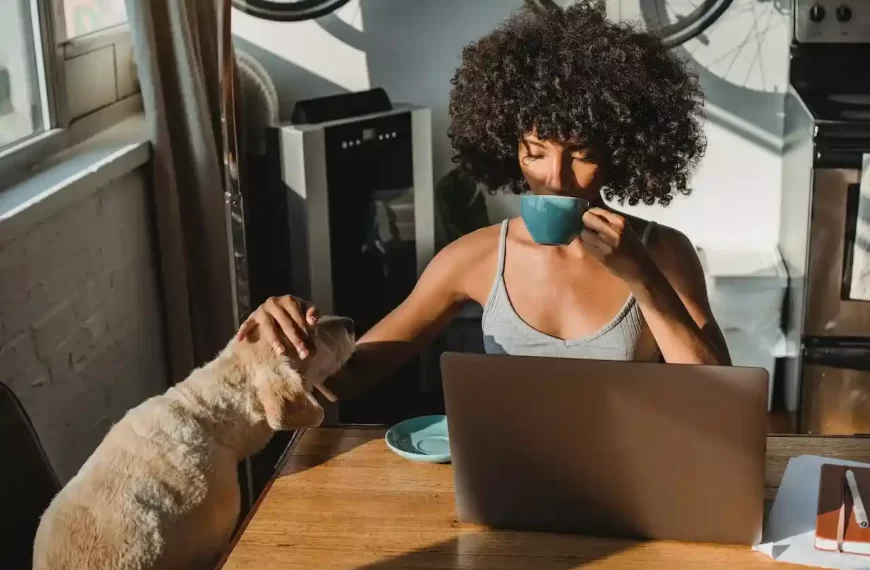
(342, 500)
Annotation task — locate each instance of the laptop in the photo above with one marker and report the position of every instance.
(638, 450)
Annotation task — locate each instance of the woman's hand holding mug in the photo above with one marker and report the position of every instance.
(610, 238)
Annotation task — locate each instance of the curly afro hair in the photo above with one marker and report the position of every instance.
(575, 76)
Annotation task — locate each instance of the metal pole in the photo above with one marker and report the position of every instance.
(233, 201)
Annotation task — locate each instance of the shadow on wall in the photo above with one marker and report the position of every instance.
(294, 83)
(742, 65)
(411, 49)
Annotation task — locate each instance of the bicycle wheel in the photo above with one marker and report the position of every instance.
(673, 33)
(288, 10)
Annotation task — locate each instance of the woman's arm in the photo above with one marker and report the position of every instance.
(672, 295)
(400, 335)
(461, 271)
(666, 278)
(450, 279)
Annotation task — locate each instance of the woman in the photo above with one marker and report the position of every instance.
(570, 104)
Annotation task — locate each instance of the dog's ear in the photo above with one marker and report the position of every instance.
(287, 404)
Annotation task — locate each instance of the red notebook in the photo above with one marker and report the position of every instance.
(837, 527)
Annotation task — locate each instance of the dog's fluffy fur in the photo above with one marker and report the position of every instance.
(161, 491)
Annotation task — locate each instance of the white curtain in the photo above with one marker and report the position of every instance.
(176, 48)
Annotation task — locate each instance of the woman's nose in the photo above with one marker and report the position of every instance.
(561, 177)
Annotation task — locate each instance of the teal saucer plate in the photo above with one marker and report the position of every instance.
(421, 439)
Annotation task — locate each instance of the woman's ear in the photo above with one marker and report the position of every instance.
(287, 404)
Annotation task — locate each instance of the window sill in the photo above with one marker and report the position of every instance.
(73, 175)
(87, 43)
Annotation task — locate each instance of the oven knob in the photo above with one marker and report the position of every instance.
(817, 13)
(844, 13)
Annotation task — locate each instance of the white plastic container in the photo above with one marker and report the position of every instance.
(746, 290)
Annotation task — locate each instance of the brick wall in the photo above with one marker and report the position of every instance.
(80, 320)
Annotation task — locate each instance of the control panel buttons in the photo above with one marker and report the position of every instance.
(844, 13)
(831, 21)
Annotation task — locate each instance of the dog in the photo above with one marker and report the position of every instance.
(161, 491)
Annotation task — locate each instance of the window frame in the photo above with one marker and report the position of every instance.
(47, 27)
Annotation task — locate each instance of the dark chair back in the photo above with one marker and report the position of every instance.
(27, 483)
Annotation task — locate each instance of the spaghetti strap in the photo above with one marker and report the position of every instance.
(505, 331)
(646, 232)
(494, 297)
(502, 248)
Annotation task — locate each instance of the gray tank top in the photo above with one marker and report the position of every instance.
(625, 337)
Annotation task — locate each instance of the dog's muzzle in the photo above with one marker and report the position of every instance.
(348, 325)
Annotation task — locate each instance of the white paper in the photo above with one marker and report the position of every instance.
(790, 533)
(860, 285)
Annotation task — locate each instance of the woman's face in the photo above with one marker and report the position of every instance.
(560, 169)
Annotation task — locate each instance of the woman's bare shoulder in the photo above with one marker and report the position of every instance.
(666, 242)
(668, 246)
(661, 239)
(472, 246)
(470, 261)
(672, 251)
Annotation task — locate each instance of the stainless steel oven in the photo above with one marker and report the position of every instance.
(836, 344)
(832, 310)
(836, 378)
(825, 224)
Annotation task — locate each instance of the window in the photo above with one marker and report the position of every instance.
(89, 16)
(49, 51)
(23, 96)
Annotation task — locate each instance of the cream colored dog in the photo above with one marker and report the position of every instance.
(161, 491)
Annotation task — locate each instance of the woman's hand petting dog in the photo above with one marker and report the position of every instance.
(288, 317)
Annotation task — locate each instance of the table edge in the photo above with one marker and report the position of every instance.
(279, 465)
(300, 433)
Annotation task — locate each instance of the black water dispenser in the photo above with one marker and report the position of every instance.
(358, 176)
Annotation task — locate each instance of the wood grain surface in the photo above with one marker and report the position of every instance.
(344, 501)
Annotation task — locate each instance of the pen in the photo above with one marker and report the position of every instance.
(857, 503)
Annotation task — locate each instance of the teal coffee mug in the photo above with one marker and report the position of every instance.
(553, 220)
